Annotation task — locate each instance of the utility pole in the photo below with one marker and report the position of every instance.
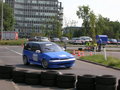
(2, 20)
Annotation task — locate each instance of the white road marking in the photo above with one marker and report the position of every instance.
(14, 51)
(15, 86)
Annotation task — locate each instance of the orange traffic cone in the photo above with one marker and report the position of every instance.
(83, 54)
(79, 53)
(73, 52)
(91, 53)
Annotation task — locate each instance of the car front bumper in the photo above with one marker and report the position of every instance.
(61, 63)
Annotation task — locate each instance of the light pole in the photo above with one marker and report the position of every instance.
(1, 19)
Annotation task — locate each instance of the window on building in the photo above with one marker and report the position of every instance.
(21, 1)
(19, 6)
(35, 7)
(34, 1)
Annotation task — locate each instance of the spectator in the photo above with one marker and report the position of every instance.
(99, 45)
(88, 45)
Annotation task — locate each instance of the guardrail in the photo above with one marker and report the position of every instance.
(60, 80)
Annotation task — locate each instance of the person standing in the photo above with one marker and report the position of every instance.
(88, 44)
(99, 45)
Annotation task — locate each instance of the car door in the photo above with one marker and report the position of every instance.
(36, 57)
(27, 51)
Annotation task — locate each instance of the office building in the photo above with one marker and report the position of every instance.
(33, 15)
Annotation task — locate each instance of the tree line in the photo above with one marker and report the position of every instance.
(97, 25)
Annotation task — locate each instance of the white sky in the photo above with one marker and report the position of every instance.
(107, 8)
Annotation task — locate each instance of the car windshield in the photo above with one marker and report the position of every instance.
(50, 47)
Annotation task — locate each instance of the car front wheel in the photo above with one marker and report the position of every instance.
(44, 63)
(25, 60)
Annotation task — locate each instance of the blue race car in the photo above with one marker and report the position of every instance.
(47, 54)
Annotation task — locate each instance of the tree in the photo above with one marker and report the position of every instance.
(83, 13)
(43, 30)
(102, 25)
(70, 30)
(7, 17)
(115, 27)
(92, 24)
(57, 27)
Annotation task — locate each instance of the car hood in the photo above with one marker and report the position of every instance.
(59, 55)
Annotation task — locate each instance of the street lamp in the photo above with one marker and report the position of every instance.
(2, 20)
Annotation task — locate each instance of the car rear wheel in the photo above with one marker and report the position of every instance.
(44, 63)
(25, 60)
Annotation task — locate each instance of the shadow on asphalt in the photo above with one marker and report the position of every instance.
(36, 87)
(37, 67)
(43, 87)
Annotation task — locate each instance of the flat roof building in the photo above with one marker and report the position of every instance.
(34, 14)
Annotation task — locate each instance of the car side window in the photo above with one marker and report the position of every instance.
(27, 46)
(35, 47)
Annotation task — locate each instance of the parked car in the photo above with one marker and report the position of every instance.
(33, 39)
(47, 54)
(72, 40)
(64, 39)
(45, 39)
(76, 41)
(85, 39)
(118, 41)
(55, 40)
(38, 38)
(112, 41)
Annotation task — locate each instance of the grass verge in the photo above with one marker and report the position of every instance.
(12, 42)
(111, 61)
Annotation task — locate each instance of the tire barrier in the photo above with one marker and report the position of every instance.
(60, 80)
(32, 78)
(66, 80)
(18, 76)
(105, 82)
(85, 82)
(49, 78)
(118, 87)
(6, 71)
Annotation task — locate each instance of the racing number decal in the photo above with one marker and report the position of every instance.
(35, 57)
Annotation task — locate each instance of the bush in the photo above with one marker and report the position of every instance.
(12, 42)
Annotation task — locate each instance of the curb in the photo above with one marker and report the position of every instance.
(99, 64)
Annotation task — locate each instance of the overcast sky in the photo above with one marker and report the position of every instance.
(107, 8)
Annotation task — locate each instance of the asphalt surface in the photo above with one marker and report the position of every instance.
(12, 55)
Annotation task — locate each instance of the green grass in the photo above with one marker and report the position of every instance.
(12, 42)
(111, 61)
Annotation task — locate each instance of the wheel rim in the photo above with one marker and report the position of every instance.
(44, 64)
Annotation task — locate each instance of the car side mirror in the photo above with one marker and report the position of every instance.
(38, 51)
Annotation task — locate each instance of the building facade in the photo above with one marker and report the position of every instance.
(33, 15)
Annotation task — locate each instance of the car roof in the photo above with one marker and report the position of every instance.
(40, 42)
